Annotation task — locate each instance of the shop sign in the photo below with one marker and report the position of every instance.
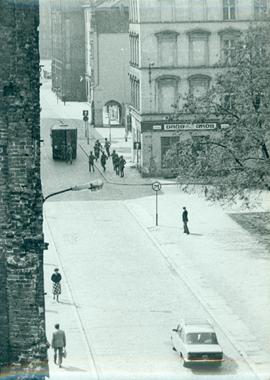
(157, 127)
(189, 126)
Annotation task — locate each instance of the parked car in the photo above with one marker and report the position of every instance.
(196, 342)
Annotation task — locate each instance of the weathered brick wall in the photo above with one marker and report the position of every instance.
(22, 317)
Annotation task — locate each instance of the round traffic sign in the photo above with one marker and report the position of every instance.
(156, 186)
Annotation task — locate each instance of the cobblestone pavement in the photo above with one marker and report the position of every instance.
(257, 224)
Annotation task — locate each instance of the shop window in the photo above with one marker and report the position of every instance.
(229, 11)
(167, 94)
(198, 48)
(167, 143)
(260, 8)
(167, 48)
(199, 85)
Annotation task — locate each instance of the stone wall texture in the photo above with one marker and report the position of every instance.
(22, 315)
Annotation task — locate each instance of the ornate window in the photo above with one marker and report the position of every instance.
(167, 91)
(199, 85)
(198, 48)
(167, 48)
(260, 8)
(229, 11)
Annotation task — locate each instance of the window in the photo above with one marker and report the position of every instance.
(167, 10)
(135, 92)
(229, 101)
(198, 48)
(229, 10)
(167, 89)
(199, 85)
(167, 48)
(134, 49)
(260, 8)
(229, 41)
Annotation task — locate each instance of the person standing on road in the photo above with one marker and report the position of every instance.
(69, 154)
(122, 163)
(91, 160)
(97, 149)
(56, 279)
(116, 163)
(103, 160)
(185, 220)
(107, 145)
(58, 344)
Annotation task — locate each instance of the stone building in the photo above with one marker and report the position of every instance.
(22, 315)
(107, 60)
(175, 46)
(68, 57)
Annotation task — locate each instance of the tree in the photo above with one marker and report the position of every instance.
(236, 157)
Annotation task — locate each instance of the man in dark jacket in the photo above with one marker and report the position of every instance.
(58, 344)
(91, 159)
(107, 145)
(122, 163)
(103, 160)
(185, 220)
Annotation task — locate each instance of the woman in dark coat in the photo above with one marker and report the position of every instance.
(56, 279)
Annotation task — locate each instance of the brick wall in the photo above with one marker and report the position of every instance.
(22, 317)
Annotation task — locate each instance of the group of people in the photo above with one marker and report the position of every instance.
(104, 153)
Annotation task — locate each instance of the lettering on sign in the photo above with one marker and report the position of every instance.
(156, 127)
(188, 126)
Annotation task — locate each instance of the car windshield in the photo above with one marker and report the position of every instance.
(201, 338)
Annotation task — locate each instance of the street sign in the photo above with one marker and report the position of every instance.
(85, 118)
(85, 112)
(156, 186)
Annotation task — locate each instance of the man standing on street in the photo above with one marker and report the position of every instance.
(91, 159)
(103, 160)
(122, 163)
(107, 145)
(58, 344)
(185, 220)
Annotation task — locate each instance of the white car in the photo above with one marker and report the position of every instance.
(196, 342)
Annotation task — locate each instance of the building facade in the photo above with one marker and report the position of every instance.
(107, 61)
(68, 56)
(175, 46)
(23, 350)
(45, 40)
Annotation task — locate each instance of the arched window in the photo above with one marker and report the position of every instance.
(167, 92)
(167, 48)
(199, 85)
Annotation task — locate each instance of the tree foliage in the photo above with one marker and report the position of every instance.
(236, 157)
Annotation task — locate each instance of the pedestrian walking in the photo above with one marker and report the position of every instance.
(107, 145)
(103, 160)
(56, 279)
(122, 163)
(58, 344)
(69, 154)
(91, 160)
(97, 149)
(116, 163)
(185, 220)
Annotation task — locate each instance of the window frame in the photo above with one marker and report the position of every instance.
(198, 77)
(167, 35)
(159, 81)
(228, 35)
(259, 14)
(227, 9)
(198, 35)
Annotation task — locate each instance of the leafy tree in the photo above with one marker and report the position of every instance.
(236, 157)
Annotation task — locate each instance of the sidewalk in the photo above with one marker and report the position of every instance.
(78, 364)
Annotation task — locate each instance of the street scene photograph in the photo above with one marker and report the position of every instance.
(135, 190)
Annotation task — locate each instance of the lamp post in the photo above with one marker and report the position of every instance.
(93, 186)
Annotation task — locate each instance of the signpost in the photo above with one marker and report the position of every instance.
(86, 127)
(156, 186)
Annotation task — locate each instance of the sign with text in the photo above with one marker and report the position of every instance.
(189, 126)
